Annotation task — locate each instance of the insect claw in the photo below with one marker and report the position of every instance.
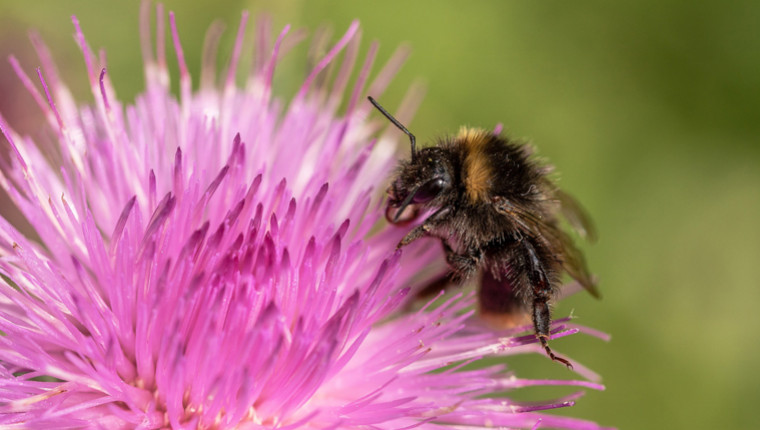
(551, 354)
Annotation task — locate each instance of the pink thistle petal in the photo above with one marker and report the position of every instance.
(230, 82)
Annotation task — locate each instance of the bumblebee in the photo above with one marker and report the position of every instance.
(496, 212)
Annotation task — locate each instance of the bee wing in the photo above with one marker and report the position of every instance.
(534, 226)
(575, 265)
(576, 215)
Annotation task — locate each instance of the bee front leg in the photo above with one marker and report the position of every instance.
(425, 228)
(416, 233)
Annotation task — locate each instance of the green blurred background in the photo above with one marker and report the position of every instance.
(650, 111)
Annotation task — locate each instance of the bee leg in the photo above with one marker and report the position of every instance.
(542, 323)
(453, 276)
(424, 229)
(463, 265)
(542, 294)
(416, 233)
(435, 286)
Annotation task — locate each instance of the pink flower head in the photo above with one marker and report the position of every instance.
(219, 261)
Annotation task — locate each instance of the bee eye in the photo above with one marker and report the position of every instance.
(429, 191)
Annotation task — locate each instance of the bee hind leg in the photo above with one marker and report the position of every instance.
(542, 324)
(542, 293)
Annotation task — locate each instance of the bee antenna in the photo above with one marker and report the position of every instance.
(400, 126)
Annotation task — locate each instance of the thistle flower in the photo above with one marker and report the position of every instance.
(218, 261)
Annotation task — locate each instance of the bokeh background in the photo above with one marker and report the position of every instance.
(650, 110)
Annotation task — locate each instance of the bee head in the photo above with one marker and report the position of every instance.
(419, 182)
